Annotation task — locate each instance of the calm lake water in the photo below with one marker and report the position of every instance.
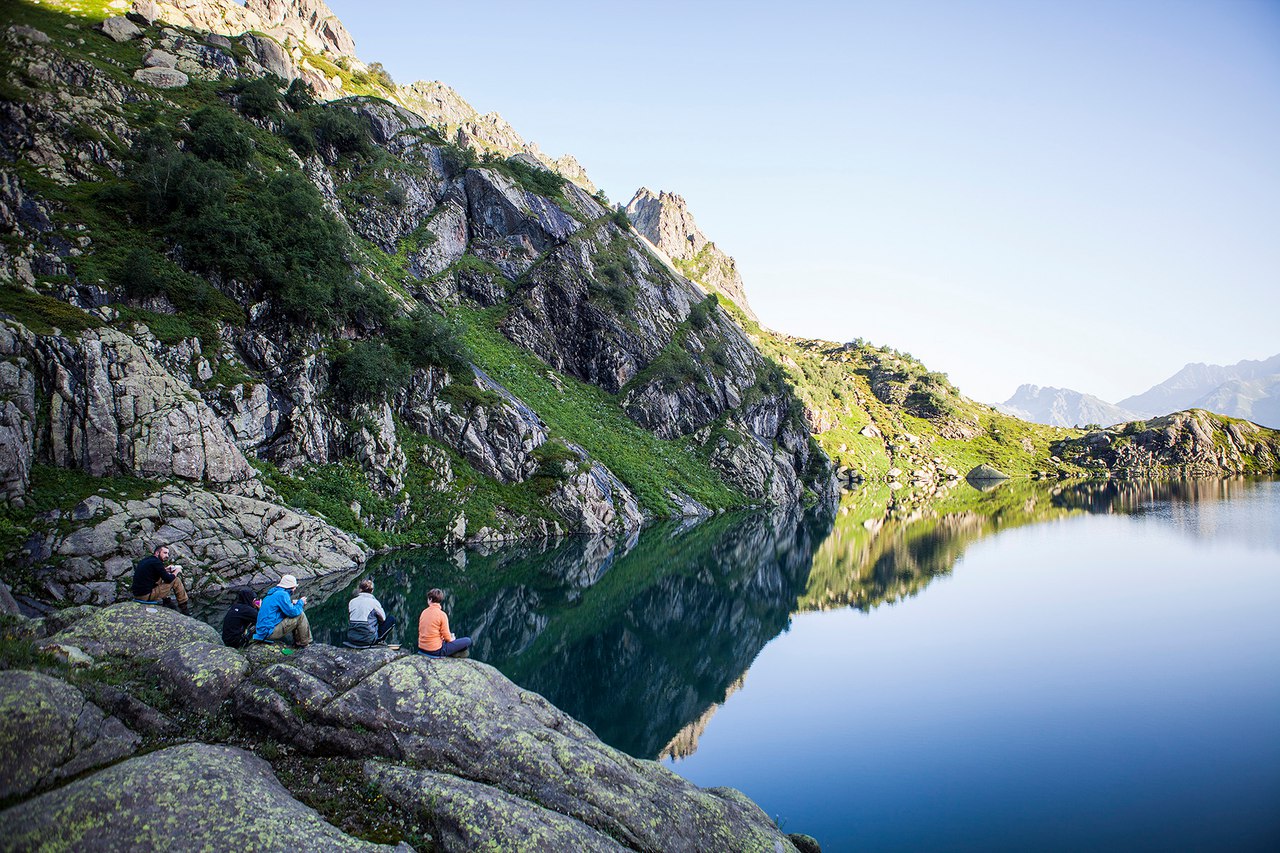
(1032, 668)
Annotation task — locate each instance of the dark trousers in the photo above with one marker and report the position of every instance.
(452, 647)
(385, 627)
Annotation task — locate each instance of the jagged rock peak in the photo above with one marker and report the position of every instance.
(665, 221)
(308, 22)
(442, 106)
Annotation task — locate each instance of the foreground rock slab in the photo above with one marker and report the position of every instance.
(49, 732)
(186, 797)
(462, 718)
(131, 630)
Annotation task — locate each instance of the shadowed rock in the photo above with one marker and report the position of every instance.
(463, 815)
(49, 731)
(184, 797)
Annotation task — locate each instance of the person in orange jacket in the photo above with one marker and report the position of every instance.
(434, 637)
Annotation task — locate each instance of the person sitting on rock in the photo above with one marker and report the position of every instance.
(433, 630)
(241, 620)
(369, 623)
(154, 580)
(279, 616)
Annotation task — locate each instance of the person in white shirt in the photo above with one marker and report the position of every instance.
(369, 623)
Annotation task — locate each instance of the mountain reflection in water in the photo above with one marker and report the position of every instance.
(643, 638)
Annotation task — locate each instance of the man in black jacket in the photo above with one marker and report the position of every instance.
(155, 580)
(238, 624)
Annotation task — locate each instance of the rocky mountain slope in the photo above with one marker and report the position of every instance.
(304, 325)
(1062, 407)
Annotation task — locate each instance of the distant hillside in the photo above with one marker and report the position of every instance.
(1062, 407)
(1198, 385)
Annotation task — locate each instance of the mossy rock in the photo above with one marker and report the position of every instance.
(463, 815)
(137, 630)
(49, 731)
(986, 472)
(189, 797)
(201, 675)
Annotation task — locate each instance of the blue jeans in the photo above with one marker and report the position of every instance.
(449, 648)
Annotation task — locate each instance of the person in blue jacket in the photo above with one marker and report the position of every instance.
(279, 616)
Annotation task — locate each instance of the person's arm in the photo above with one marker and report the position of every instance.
(291, 608)
(444, 628)
(377, 608)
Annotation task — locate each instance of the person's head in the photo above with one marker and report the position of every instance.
(366, 585)
(161, 551)
(435, 596)
(288, 582)
(244, 595)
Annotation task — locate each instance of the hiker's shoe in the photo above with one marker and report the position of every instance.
(184, 607)
(169, 603)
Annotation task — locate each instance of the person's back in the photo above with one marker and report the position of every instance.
(434, 637)
(367, 620)
(241, 620)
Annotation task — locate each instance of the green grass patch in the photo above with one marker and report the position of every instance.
(590, 417)
(42, 314)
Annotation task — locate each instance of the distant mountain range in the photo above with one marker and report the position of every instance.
(1247, 389)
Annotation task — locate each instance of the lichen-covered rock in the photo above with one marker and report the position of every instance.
(201, 675)
(986, 472)
(464, 815)
(132, 630)
(185, 797)
(463, 718)
(120, 29)
(49, 731)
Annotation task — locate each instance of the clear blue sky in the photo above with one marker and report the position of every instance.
(1083, 194)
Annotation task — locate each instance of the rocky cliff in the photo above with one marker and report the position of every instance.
(665, 221)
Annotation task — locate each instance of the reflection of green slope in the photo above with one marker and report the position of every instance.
(869, 561)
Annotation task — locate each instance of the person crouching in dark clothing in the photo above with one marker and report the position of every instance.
(238, 624)
(154, 579)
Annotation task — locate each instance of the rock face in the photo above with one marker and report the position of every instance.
(1188, 444)
(309, 22)
(221, 797)
(49, 731)
(113, 409)
(664, 220)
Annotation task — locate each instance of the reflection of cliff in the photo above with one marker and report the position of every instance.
(868, 562)
(637, 638)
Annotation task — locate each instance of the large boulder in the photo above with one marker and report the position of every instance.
(120, 29)
(221, 540)
(49, 731)
(201, 675)
(463, 718)
(189, 797)
(132, 630)
(162, 78)
(464, 815)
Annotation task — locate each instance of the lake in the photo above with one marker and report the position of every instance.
(1037, 667)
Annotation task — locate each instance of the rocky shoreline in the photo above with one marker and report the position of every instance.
(131, 726)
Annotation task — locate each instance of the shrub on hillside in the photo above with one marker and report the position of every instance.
(368, 372)
(219, 134)
(259, 97)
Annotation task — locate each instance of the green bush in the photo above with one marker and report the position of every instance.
(259, 97)
(218, 134)
(701, 315)
(300, 96)
(369, 371)
(424, 339)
